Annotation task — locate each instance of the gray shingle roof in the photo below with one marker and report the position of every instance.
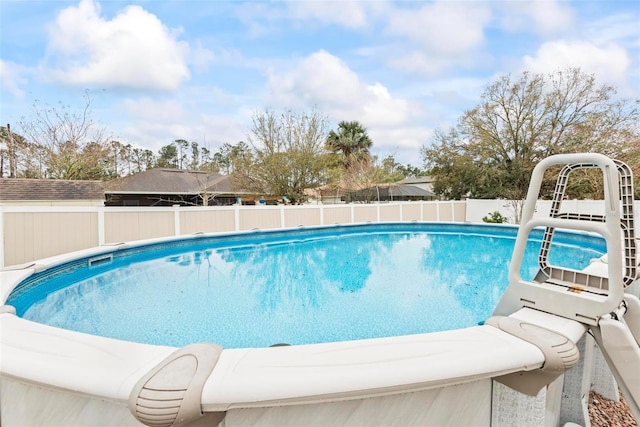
(49, 189)
(417, 180)
(170, 181)
(405, 190)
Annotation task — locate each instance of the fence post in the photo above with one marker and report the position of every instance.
(101, 226)
(282, 222)
(176, 220)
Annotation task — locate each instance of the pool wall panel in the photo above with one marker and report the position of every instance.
(466, 404)
(459, 405)
(58, 408)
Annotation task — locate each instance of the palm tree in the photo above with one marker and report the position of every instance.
(351, 141)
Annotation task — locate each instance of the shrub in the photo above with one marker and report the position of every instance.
(495, 218)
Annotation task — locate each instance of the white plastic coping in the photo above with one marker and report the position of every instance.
(109, 368)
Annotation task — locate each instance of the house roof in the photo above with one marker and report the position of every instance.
(49, 189)
(170, 181)
(395, 190)
(417, 180)
(410, 190)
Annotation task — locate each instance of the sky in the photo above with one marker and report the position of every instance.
(199, 70)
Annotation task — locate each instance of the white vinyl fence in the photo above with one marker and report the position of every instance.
(28, 233)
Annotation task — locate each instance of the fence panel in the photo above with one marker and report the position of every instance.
(33, 235)
(211, 220)
(297, 216)
(392, 212)
(123, 226)
(336, 214)
(260, 217)
(365, 213)
(29, 233)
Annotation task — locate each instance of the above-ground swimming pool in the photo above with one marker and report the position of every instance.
(389, 324)
(298, 286)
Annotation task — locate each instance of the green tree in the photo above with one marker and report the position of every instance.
(394, 171)
(409, 170)
(194, 163)
(288, 154)
(350, 141)
(181, 152)
(167, 157)
(13, 152)
(494, 147)
(206, 161)
(116, 147)
(225, 157)
(126, 156)
(229, 155)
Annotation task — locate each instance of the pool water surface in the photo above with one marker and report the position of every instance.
(297, 287)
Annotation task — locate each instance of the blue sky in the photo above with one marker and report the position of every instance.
(198, 70)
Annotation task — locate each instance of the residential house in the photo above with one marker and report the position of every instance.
(168, 187)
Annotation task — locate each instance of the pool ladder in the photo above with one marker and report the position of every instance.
(597, 301)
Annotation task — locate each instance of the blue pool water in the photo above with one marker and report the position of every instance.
(296, 287)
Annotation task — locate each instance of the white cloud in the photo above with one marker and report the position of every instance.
(160, 111)
(423, 62)
(325, 81)
(446, 28)
(132, 50)
(349, 14)
(262, 19)
(437, 36)
(381, 108)
(153, 124)
(619, 28)
(12, 77)
(319, 78)
(550, 17)
(403, 143)
(201, 58)
(608, 63)
(543, 17)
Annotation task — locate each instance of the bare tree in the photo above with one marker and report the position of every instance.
(73, 143)
(288, 154)
(493, 149)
